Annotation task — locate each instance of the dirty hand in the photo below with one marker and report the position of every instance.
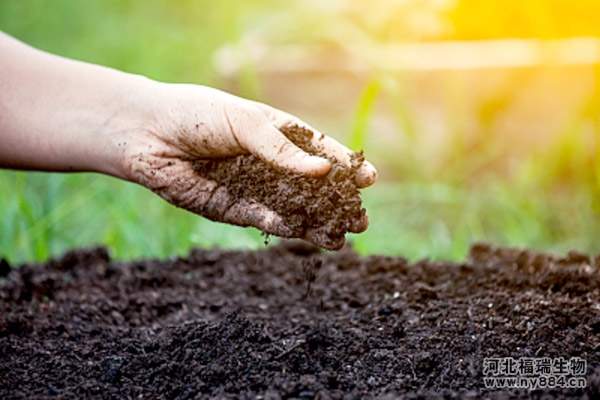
(62, 115)
(193, 122)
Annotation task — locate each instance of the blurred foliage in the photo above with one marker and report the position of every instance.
(437, 195)
(160, 39)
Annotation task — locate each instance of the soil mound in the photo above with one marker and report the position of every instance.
(237, 324)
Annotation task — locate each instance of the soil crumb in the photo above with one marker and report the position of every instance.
(237, 324)
(329, 205)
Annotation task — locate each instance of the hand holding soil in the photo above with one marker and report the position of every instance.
(201, 149)
(247, 164)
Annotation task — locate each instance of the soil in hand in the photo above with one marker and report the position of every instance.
(328, 205)
(238, 324)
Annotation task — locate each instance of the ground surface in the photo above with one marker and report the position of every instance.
(238, 324)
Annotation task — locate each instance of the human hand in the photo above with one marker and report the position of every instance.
(64, 115)
(195, 122)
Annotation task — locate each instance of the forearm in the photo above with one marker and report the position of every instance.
(63, 115)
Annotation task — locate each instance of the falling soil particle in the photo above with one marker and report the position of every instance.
(329, 204)
(237, 324)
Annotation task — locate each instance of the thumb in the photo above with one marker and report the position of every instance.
(274, 148)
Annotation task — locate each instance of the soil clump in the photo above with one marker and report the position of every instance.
(329, 204)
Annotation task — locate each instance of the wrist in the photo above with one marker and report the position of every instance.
(125, 129)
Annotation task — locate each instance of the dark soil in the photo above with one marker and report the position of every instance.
(291, 322)
(329, 204)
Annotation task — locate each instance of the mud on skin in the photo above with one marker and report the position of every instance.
(329, 206)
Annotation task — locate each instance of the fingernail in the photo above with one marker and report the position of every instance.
(366, 175)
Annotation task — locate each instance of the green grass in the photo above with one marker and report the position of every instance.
(47, 214)
(363, 113)
(440, 221)
(424, 208)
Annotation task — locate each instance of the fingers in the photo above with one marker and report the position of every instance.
(276, 149)
(366, 174)
(246, 213)
(257, 215)
(319, 236)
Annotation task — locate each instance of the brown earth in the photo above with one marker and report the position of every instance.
(329, 205)
(292, 322)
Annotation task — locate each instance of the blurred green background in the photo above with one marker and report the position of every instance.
(503, 154)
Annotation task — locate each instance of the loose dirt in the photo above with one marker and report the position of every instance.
(329, 205)
(292, 322)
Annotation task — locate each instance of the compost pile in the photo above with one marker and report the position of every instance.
(329, 205)
(292, 322)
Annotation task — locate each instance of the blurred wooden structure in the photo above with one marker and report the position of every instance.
(424, 56)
